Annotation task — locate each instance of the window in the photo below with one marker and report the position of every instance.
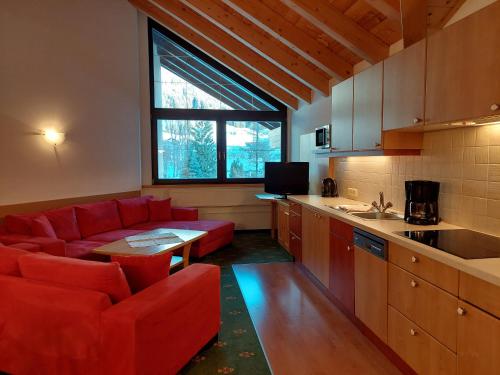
(208, 124)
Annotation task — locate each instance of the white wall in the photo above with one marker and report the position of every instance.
(72, 65)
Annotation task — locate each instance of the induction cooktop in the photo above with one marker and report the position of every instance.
(462, 243)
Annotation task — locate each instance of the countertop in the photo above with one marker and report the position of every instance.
(485, 269)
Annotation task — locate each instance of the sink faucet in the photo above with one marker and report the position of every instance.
(381, 207)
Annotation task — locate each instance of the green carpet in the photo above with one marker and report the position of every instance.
(238, 350)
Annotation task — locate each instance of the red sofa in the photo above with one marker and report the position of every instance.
(75, 231)
(84, 319)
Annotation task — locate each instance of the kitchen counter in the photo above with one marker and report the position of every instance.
(485, 269)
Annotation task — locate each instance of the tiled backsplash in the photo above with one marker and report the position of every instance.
(465, 161)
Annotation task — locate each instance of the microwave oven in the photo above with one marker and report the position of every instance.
(323, 137)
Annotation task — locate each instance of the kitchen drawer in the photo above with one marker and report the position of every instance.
(296, 247)
(341, 229)
(428, 306)
(296, 207)
(296, 223)
(480, 293)
(428, 269)
(417, 348)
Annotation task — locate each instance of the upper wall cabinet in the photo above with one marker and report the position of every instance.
(463, 69)
(342, 100)
(404, 88)
(367, 120)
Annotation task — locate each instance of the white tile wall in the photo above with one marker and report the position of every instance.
(465, 161)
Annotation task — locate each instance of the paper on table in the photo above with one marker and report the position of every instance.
(150, 236)
(154, 242)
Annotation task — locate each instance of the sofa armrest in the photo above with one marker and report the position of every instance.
(158, 330)
(53, 246)
(184, 214)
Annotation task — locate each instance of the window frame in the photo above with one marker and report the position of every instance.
(219, 115)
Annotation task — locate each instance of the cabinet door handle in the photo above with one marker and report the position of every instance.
(417, 120)
(413, 332)
(495, 107)
(461, 311)
(348, 247)
(413, 284)
(414, 259)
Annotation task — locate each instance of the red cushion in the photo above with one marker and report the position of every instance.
(63, 221)
(143, 271)
(102, 277)
(134, 210)
(114, 235)
(160, 210)
(97, 218)
(32, 247)
(19, 224)
(41, 227)
(9, 260)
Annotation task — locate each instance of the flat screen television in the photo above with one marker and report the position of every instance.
(286, 178)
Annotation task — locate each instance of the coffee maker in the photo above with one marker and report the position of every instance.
(421, 206)
(329, 188)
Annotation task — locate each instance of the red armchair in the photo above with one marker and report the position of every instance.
(52, 329)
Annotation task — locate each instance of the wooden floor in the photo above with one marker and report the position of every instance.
(301, 331)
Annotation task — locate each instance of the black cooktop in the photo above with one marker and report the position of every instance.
(463, 243)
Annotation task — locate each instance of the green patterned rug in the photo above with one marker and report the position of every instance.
(238, 350)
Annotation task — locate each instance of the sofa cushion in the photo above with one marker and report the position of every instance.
(63, 221)
(134, 210)
(9, 260)
(32, 247)
(144, 271)
(102, 277)
(41, 227)
(97, 218)
(160, 210)
(19, 224)
(81, 249)
(114, 235)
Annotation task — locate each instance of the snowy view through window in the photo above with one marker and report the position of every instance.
(187, 149)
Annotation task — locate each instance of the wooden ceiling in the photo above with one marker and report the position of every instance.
(289, 48)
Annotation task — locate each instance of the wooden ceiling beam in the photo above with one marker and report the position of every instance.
(341, 28)
(286, 32)
(390, 9)
(413, 21)
(236, 25)
(451, 13)
(235, 48)
(215, 52)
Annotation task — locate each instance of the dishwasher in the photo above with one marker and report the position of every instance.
(370, 282)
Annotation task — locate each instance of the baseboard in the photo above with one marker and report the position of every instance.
(58, 203)
(390, 354)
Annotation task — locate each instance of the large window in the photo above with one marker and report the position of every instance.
(208, 124)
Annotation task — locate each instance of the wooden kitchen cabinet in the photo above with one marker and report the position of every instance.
(342, 110)
(315, 244)
(342, 263)
(284, 225)
(296, 231)
(370, 291)
(404, 88)
(463, 66)
(417, 348)
(367, 118)
(478, 342)
(428, 306)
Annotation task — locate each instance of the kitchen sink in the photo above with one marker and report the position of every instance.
(376, 215)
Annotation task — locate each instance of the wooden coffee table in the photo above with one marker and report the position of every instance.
(187, 237)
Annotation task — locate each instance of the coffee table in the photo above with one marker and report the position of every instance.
(187, 237)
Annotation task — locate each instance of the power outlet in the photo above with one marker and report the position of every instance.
(352, 192)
